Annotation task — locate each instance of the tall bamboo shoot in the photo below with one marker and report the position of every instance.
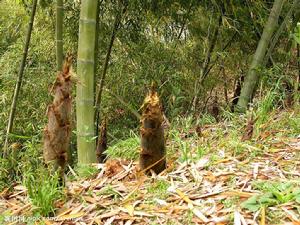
(153, 152)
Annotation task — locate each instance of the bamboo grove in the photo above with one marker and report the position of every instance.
(204, 56)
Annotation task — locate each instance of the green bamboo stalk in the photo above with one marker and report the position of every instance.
(294, 7)
(85, 87)
(20, 78)
(105, 66)
(252, 76)
(59, 33)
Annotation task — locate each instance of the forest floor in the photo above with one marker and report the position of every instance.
(212, 178)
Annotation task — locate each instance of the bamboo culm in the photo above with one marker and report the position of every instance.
(85, 91)
(252, 76)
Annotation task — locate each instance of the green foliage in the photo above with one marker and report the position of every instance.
(6, 171)
(159, 189)
(269, 102)
(230, 202)
(293, 124)
(10, 28)
(181, 126)
(296, 33)
(182, 145)
(125, 149)
(28, 154)
(286, 123)
(110, 191)
(38, 77)
(43, 191)
(201, 151)
(86, 171)
(206, 118)
(274, 193)
(273, 98)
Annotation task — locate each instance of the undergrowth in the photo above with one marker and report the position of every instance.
(218, 140)
(125, 149)
(185, 143)
(273, 193)
(43, 190)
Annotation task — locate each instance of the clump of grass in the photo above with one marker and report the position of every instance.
(159, 189)
(86, 171)
(43, 190)
(110, 191)
(205, 119)
(125, 149)
(228, 115)
(288, 123)
(269, 102)
(201, 151)
(6, 172)
(233, 143)
(293, 125)
(2, 219)
(185, 123)
(188, 217)
(179, 145)
(182, 138)
(230, 202)
(11, 170)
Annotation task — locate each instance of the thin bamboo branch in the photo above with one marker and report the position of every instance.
(133, 111)
(20, 78)
(185, 20)
(105, 66)
(211, 47)
(97, 37)
(218, 56)
(206, 62)
(59, 33)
